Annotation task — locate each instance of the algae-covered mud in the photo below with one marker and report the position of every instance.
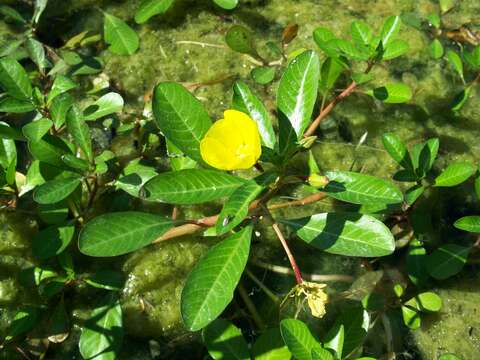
(343, 225)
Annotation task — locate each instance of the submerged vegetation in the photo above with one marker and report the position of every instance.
(316, 197)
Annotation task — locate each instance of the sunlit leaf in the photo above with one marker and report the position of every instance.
(52, 241)
(149, 8)
(390, 30)
(270, 346)
(395, 49)
(456, 63)
(224, 341)
(14, 105)
(436, 49)
(54, 191)
(14, 79)
(395, 93)
(298, 338)
(468, 223)
(123, 40)
(455, 174)
(80, 132)
(108, 104)
(61, 84)
(226, 4)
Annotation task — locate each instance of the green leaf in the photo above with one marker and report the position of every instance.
(356, 324)
(120, 233)
(446, 5)
(8, 151)
(181, 117)
(134, 176)
(210, 286)
(411, 317)
(358, 53)
(270, 346)
(263, 75)
(334, 339)
(224, 341)
(75, 162)
(361, 33)
(102, 334)
(455, 173)
(236, 207)
(298, 338)
(14, 79)
(395, 93)
(449, 357)
(436, 49)
(59, 108)
(149, 8)
(456, 63)
(468, 223)
(56, 190)
(413, 193)
(397, 150)
(108, 104)
(61, 84)
(330, 72)
(473, 57)
(390, 30)
(52, 241)
(35, 130)
(245, 100)
(426, 301)
(37, 54)
(11, 13)
(323, 37)
(416, 263)
(8, 132)
(361, 189)
(447, 260)
(39, 8)
(226, 4)
(123, 40)
(191, 186)
(49, 149)
(24, 321)
(395, 49)
(461, 98)
(344, 234)
(239, 39)
(107, 279)
(297, 91)
(78, 128)
(319, 353)
(16, 106)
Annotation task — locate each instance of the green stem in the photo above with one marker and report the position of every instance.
(251, 307)
(262, 286)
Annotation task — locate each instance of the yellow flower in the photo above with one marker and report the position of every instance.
(232, 143)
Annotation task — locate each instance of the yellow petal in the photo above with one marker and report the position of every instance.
(215, 154)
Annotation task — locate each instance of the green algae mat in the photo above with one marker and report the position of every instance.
(239, 179)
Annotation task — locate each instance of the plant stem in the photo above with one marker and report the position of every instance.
(293, 263)
(262, 286)
(251, 307)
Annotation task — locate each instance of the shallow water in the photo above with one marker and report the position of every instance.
(186, 45)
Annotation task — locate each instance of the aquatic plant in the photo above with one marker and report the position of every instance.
(53, 166)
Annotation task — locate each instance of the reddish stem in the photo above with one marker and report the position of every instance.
(293, 263)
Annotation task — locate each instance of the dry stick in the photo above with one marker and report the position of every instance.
(210, 221)
(323, 114)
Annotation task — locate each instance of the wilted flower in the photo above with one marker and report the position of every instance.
(232, 143)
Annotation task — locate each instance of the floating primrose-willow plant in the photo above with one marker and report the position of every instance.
(66, 176)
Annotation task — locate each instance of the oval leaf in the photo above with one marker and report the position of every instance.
(55, 190)
(120, 233)
(455, 174)
(298, 338)
(210, 286)
(226, 4)
(14, 79)
(396, 93)
(149, 8)
(468, 223)
(108, 104)
(225, 341)
(123, 40)
(181, 117)
(52, 241)
(78, 128)
(345, 234)
(447, 260)
(270, 346)
(191, 186)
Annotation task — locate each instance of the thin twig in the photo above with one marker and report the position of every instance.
(262, 286)
(251, 307)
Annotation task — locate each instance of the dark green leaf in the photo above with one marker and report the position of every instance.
(11, 13)
(14, 79)
(8, 132)
(263, 75)
(52, 241)
(210, 286)
(14, 105)
(191, 186)
(181, 117)
(298, 338)
(356, 324)
(447, 260)
(35, 130)
(461, 98)
(61, 84)
(80, 132)
(8, 151)
(123, 40)
(59, 328)
(39, 8)
(455, 174)
(245, 100)
(224, 341)
(49, 150)
(413, 193)
(416, 263)
(120, 233)
(468, 223)
(270, 346)
(75, 162)
(149, 8)
(107, 279)
(330, 72)
(240, 39)
(37, 54)
(56, 190)
(24, 321)
(345, 234)
(397, 150)
(361, 189)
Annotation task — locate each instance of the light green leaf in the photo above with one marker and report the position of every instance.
(298, 338)
(397, 150)
(123, 40)
(181, 117)
(334, 339)
(395, 93)
(16, 106)
(14, 79)
(225, 341)
(359, 52)
(263, 74)
(446, 5)
(456, 63)
(447, 260)
(54, 191)
(449, 357)
(356, 324)
(411, 317)
(245, 100)
(270, 346)
(52, 241)
(102, 334)
(210, 286)
(49, 149)
(395, 49)
(361, 189)
(390, 30)
(226, 4)
(461, 98)
(11, 13)
(134, 176)
(361, 33)
(191, 186)
(436, 49)
(344, 234)
(39, 8)
(108, 104)
(330, 72)
(59, 108)
(455, 174)
(120, 233)
(61, 84)
(149, 8)
(323, 37)
(37, 54)
(8, 151)
(297, 92)
(319, 353)
(468, 223)
(426, 301)
(75, 162)
(78, 128)
(35, 130)
(236, 207)
(8, 132)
